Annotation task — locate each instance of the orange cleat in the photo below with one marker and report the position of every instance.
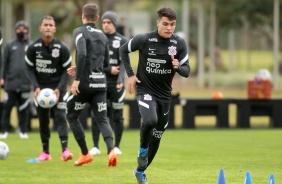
(112, 158)
(84, 159)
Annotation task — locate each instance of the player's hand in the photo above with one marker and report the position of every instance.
(57, 92)
(36, 93)
(132, 84)
(74, 87)
(175, 63)
(119, 86)
(71, 71)
(115, 70)
(2, 82)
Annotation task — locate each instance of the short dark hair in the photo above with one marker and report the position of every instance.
(90, 11)
(166, 12)
(48, 17)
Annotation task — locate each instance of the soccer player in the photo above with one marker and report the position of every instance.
(15, 79)
(47, 59)
(115, 88)
(161, 55)
(89, 85)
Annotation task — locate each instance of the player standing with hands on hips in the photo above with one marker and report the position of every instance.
(161, 55)
(47, 59)
(90, 85)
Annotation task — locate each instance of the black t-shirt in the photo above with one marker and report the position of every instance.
(92, 55)
(115, 41)
(155, 70)
(48, 64)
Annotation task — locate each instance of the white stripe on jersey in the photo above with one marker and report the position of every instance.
(77, 38)
(122, 97)
(23, 106)
(66, 96)
(144, 104)
(129, 45)
(67, 62)
(28, 61)
(183, 60)
(69, 98)
(1, 41)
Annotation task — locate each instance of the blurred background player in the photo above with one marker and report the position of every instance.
(47, 59)
(161, 55)
(90, 85)
(16, 82)
(115, 86)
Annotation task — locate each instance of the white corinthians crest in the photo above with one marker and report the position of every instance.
(172, 50)
(116, 44)
(102, 106)
(55, 53)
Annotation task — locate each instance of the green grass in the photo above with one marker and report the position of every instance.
(185, 156)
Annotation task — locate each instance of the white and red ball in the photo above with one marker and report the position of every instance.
(46, 98)
(4, 151)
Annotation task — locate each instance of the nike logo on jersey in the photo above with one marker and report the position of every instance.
(166, 113)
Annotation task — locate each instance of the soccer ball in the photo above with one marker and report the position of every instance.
(263, 74)
(4, 150)
(46, 98)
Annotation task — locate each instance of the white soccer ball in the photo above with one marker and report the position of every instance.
(46, 98)
(4, 150)
(263, 74)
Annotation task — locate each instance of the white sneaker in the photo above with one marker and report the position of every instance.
(23, 135)
(4, 135)
(95, 151)
(117, 151)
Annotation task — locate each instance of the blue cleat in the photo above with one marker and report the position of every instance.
(140, 176)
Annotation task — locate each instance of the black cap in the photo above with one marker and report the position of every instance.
(112, 16)
(21, 23)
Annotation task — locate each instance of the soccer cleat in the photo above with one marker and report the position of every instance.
(84, 159)
(143, 158)
(66, 155)
(4, 135)
(112, 158)
(95, 151)
(140, 176)
(23, 135)
(44, 156)
(117, 151)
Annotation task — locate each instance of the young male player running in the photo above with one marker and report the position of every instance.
(161, 55)
(89, 85)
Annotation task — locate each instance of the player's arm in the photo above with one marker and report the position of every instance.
(183, 59)
(121, 68)
(66, 62)
(80, 44)
(30, 61)
(6, 55)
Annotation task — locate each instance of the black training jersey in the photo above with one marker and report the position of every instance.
(115, 41)
(92, 55)
(155, 70)
(48, 64)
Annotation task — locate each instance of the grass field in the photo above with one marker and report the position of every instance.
(185, 156)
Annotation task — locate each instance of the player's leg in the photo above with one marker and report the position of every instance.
(10, 100)
(99, 107)
(59, 111)
(75, 105)
(95, 136)
(23, 110)
(158, 130)
(44, 130)
(148, 110)
(116, 98)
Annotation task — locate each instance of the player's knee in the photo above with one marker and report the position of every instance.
(71, 118)
(150, 122)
